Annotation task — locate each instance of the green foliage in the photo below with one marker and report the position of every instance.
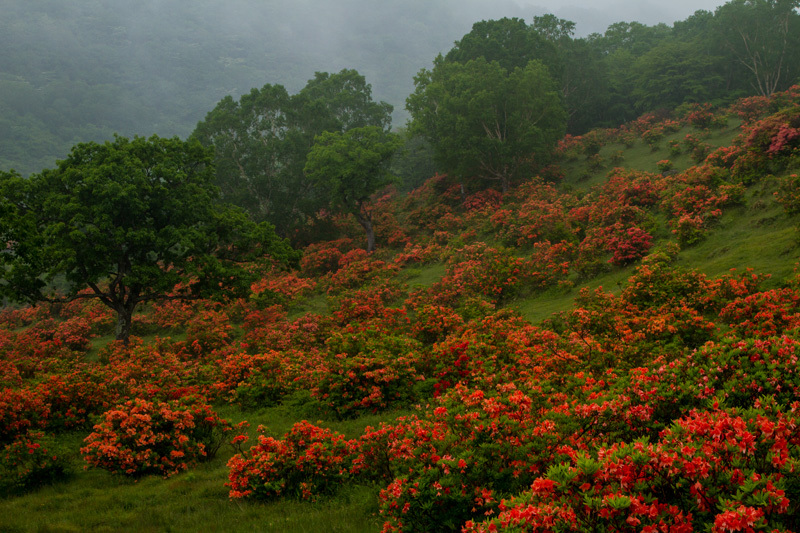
(350, 167)
(487, 122)
(761, 36)
(262, 142)
(31, 460)
(508, 41)
(125, 222)
(674, 73)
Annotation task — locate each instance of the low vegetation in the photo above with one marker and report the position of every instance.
(589, 351)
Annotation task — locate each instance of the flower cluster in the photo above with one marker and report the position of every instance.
(140, 437)
(308, 461)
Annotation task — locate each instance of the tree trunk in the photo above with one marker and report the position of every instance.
(124, 320)
(504, 183)
(365, 220)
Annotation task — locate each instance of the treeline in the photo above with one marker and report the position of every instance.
(490, 111)
(73, 72)
(76, 72)
(745, 47)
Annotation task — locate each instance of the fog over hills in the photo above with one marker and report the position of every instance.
(79, 71)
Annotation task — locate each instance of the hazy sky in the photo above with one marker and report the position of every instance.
(596, 15)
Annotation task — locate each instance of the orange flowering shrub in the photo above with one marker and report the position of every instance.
(140, 437)
(367, 369)
(208, 330)
(358, 268)
(20, 410)
(280, 288)
(308, 461)
(323, 257)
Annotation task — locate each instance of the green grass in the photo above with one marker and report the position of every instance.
(642, 157)
(541, 306)
(193, 501)
(315, 303)
(197, 500)
(758, 235)
(423, 276)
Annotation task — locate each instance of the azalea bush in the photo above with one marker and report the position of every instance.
(733, 470)
(307, 462)
(139, 437)
(366, 370)
(29, 461)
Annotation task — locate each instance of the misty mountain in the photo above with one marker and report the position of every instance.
(79, 71)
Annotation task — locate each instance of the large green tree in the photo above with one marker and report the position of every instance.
(125, 222)
(261, 143)
(763, 36)
(350, 167)
(673, 73)
(486, 122)
(508, 41)
(259, 155)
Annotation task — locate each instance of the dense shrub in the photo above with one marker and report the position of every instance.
(140, 437)
(307, 462)
(29, 461)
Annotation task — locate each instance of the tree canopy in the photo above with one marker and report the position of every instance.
(350, 167)
(762, 36)
(485, 121)
(261, 143)
(125, 222)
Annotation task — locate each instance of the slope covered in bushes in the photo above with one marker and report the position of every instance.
(586, 352)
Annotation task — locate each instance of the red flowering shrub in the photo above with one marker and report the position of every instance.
(28, 462)
(483, 200)
(701, 116)
(471, 450)
(308, 461)
(540, 214)
(776, 135)
(480, 270)
(367, 370)
(570, 147)
(163, 369)
(20, 410)
(72, 398)
(280, 288)
(629, 245)
(320, 258)
(768, 145)
(208, 330)
(12, 317)
(259, 380)
(370, 303)
(358, 268)
(434, 322)
(417, 253)
(764, 314)
(141, 437)
(173, 314)
(732, 470)
(750, 109)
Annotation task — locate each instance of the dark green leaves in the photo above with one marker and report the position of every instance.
(486, 122)
(128, 220)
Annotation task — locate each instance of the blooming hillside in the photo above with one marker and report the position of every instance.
(670, 403)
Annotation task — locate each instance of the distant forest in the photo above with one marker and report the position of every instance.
(80, 71)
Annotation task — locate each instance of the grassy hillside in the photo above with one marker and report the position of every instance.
(591, 349)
